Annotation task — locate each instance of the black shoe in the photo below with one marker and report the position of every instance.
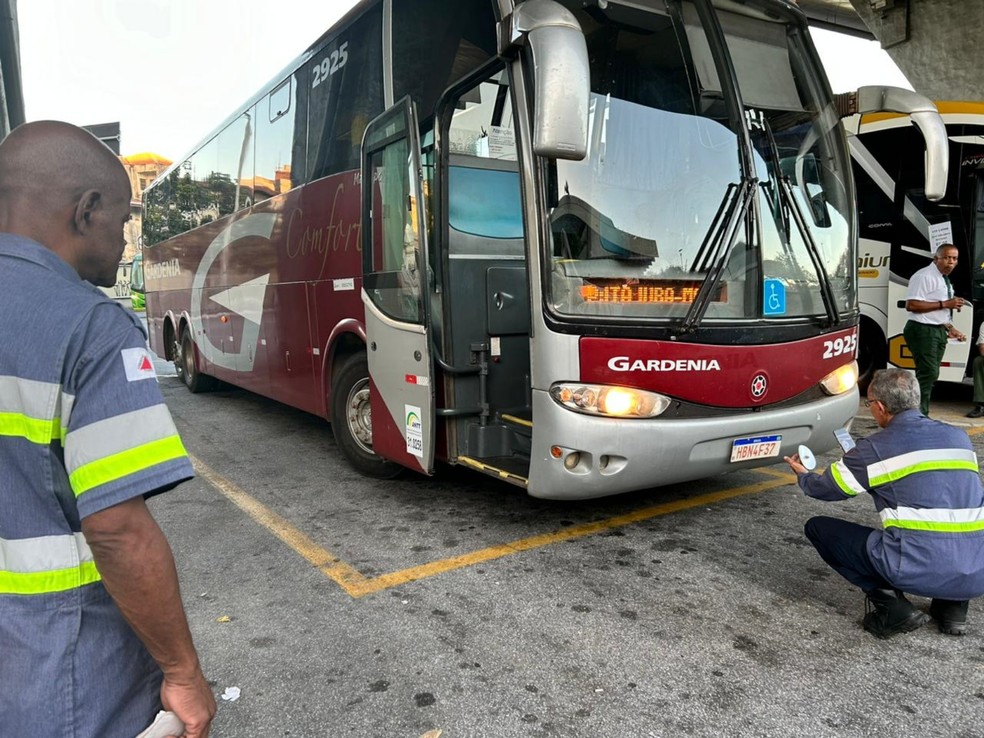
(888, 612)
(977, 412)
(950, 616)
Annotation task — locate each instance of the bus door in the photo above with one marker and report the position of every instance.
(485, 277)
(394, 290)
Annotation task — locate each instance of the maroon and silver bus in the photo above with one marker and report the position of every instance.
(584, 246)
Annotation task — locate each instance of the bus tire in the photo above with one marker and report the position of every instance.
(872, 352)
(187, 368)
(351, 418)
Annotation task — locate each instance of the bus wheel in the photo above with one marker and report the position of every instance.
(351, 418)
(872, 352)
(184, 363)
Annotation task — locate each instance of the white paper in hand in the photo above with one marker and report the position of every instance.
(807, 459)
(165, 724)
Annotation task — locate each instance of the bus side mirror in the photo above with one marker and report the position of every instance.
(562, 80)
(923, 114)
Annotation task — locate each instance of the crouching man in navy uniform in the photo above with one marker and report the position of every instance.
(923, 478)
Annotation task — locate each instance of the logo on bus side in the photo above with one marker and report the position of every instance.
(169, 268)
(246, 299)
(626, 364)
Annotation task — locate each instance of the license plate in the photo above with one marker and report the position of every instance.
(760, 447)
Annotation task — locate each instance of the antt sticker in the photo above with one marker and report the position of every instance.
(138, 364)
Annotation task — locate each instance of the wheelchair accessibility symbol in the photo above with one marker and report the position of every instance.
(774, 298)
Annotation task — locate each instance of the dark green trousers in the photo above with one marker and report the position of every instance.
(979, 379)
(926, 344)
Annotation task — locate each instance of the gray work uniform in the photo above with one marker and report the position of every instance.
(83, 427)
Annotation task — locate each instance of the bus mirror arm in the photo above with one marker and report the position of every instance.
(924, 115)
(561, 75)
(937, 153)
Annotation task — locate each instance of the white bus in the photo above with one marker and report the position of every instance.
(900, 229)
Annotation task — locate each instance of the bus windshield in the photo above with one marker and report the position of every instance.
(678, 190)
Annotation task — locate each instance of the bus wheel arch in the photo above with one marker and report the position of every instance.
(872, 351)
(186, 363)
(351, 417)
(169, 339)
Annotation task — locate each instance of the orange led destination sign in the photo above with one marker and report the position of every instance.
(644, 292)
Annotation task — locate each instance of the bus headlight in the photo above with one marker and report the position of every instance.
(841, 380)
(609, 400)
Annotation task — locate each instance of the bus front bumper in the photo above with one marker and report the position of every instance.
(615, 456)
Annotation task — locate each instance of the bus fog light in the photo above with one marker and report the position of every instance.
(571, 460)
(841, 380)
(609, 400)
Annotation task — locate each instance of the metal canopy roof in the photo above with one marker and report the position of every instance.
(835, 15)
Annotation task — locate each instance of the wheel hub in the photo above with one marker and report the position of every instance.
(359, 415)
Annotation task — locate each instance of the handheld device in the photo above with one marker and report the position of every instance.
(843, 437)
(807, 459)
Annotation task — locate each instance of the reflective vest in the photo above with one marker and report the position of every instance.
(83, 427)
(924, 480)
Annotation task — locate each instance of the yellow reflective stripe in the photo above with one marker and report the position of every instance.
(942, 520)
(938, 465)
(847, 482)
(123, 464)
(936, 526)
(116, 434)
(34, 430)
(896, 467)
(45, 582)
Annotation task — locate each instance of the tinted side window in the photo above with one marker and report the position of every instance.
(342, 87)
(436, 43)
(156, 204)
(202, 206)
(277, 141)
(234, 166)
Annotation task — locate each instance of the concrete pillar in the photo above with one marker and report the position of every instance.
(936, 43)
(11, 95)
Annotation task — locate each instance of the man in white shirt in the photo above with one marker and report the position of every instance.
(929, 302)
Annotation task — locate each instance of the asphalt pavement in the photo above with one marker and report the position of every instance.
(458, 606)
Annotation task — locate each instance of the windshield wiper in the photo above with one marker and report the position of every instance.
(780, 205)
(826, 290)
(716, 249)
(786, 201)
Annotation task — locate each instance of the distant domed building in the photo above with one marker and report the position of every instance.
(142, 169)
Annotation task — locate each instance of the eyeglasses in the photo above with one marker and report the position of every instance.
(869, 403)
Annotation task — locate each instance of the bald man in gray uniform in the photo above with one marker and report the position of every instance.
(93, 635)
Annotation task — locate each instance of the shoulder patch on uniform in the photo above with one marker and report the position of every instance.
(138, 364)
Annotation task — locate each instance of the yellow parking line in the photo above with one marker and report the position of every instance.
(357, 585)
(777, 473)
(326, 562)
